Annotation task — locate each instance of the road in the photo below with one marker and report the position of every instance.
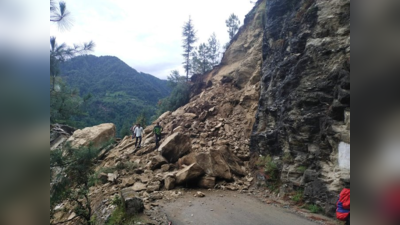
(228, 208)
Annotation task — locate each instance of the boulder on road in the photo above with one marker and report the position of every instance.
(207, 182)
(175, 146)
(169, 183)
(220, 163)
(189, 173)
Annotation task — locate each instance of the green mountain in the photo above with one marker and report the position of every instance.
(119, 93)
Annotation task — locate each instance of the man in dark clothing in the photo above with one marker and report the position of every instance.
(157, 132)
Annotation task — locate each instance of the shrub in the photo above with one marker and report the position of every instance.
(298, 196)
(301, 169)
(287, 157)
(119, 216)
(270, 167)
(314, 208)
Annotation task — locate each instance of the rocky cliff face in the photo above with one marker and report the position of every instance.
(282, 89)
(303, 116)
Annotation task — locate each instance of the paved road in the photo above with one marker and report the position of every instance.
(230, 209)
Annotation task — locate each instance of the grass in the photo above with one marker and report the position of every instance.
(119, 216)
(298, 196)
(301, 169)
(314, 208)
(270, 167)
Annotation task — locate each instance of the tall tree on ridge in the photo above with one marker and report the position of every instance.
(189, 38)
(233, 24)
(213, 50)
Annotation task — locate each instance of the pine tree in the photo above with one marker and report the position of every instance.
(233, 24)
(189, 38)
(203, 54)
(213, 50)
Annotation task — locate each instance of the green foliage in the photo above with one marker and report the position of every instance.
(119, 93)
(213, 50)
(270, 167)
(70, 172)
(94, 177)
(189, 38)
(142, 120)
(298, 196)
(64, 103)
(301, 169)
(233, 24)
(119, 216)
(200, 60)
(287, 157)
(314, 208)
(205, 56)
(180, 94)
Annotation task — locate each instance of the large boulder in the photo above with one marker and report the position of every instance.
(96, 135)
(133, 204)
(156, 162)
(169, 182)
(220, 163)
(138, 186)
(175, 146)
(207, 182)
(189, 173)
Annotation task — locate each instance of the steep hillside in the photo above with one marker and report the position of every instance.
(272, 121)
(120, 93)
(303, 118)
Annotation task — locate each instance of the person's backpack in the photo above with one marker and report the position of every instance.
(133, 129)
(157, 130)
(343, 205)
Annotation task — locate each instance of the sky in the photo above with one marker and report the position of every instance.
(147, 35)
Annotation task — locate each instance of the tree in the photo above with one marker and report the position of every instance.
(70, 171)
(64, 102)
(233, 24)
(60, 53)
(142, 120)
(200, 59)
(175, 78)
(179, 95)
(213, 50)
(189, 38)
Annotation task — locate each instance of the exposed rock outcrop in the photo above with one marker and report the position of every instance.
(304, 107)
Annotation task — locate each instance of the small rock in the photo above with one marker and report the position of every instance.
(200, 194)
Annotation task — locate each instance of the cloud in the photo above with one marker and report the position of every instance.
(147, 35)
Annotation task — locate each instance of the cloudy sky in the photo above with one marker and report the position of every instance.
(147, 35)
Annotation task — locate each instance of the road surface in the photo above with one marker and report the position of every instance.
(228, 208)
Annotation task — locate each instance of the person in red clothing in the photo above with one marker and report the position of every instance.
(343, 205)
(389, 203)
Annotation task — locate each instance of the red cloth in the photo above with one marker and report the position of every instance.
(343, 204)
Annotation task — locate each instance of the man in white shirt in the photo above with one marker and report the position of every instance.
(138, 132)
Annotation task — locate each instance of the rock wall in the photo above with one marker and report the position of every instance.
(304, 107)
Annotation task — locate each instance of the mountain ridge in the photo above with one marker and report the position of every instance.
(119, 92)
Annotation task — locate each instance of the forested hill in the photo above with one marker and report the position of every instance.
(119, 93)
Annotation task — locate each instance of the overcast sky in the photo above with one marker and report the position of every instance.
(147, 35)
